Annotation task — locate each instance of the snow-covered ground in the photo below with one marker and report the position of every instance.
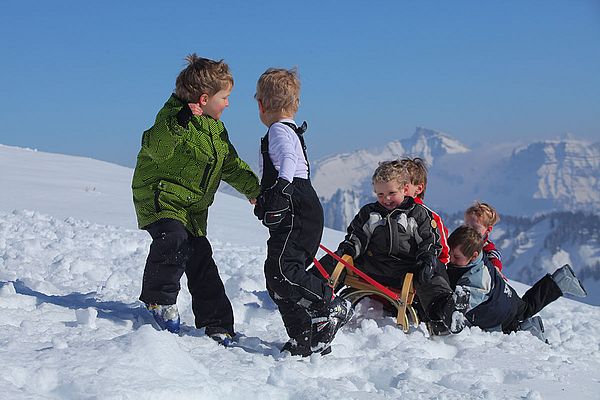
(71, 263)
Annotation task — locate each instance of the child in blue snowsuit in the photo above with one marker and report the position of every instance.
(493, 304)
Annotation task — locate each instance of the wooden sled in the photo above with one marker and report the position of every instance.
(400, 299)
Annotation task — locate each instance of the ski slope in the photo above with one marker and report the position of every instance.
(71, 263)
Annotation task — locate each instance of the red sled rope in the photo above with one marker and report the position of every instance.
(321, 269)
(357, 271)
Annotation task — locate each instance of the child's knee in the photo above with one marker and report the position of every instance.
(170, 247)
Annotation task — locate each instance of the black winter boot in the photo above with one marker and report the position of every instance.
(327, 320)
(447, 314)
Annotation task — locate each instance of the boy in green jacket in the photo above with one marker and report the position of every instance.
(184, 156)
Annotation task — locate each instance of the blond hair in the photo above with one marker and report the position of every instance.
(278, 90)
(388, 171)
(470, 240)
(201, 76)
(417, 172)
(485, 213)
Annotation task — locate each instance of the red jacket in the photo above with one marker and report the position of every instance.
(493, 254)
(444, 255)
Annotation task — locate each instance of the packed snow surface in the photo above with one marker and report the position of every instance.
(71, 326)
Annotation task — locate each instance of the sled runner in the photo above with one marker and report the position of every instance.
(360, 285)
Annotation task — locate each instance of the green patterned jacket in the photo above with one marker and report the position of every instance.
(179, 169)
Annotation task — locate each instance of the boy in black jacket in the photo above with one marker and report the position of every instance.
(396, 235)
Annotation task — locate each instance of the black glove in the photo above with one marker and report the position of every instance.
(426, 268)
(276, 204)
(346, 247)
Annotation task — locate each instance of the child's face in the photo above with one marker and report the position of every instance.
(388, 194)
(217, 103)
(413, 190)
(472, 221)
(457, 257)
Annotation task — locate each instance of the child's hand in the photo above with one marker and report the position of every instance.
(252, 201)
(346, 247)
(425, 268)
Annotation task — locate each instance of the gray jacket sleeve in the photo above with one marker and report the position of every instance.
(426, 233)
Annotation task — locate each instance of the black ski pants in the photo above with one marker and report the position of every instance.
(290, 250)
(174, 251)
(542, 293)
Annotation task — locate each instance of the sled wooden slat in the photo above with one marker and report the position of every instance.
(401, 301)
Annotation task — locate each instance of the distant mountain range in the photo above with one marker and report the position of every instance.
(545, 176)
(547, 193)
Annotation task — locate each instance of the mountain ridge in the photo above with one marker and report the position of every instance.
(519, 179)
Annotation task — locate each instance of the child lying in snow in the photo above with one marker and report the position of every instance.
(494, 305)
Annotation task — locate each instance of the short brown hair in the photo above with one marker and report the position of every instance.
(470, 240)
(485, 213)
(278, 90)
(388, 171)
(201, 76)
(417, 172)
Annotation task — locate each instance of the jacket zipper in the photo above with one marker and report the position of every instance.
(392, 234)
(156, 202)
(205, 176)
(208, 167)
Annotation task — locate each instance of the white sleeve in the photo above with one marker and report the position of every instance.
(282, 150)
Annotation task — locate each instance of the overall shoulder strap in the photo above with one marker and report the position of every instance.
(269, 173)
(300, 130)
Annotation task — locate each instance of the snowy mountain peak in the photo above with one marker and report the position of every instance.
(352, 171)
(568, 145)
(430, 144)
(566, 172)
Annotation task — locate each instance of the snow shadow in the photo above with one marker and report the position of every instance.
(249, 344)
(116, 311)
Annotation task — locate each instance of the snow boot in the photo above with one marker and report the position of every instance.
(166, 316)
(297, 349)
(292, 347)
(300, 346)
(534, 326)
(452, 324)
(567, 282)
(447, 314)
(219, 335)
(449, 317)
(326, 322)
(437, 328)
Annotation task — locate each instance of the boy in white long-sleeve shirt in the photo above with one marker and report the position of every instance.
(290, 208)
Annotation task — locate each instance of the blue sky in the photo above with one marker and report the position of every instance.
(87, 78)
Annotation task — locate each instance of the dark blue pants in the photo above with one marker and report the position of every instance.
(542, 293)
